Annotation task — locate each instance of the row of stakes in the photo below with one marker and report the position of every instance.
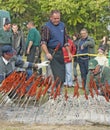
(17, 85)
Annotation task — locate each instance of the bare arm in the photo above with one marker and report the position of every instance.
(29, 47)
(48, 55)
(69, 53)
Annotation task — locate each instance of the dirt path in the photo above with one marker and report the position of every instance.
(19, 126)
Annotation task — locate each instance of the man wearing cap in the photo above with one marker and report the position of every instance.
(5, 34)
(100, 74)
(9, 62)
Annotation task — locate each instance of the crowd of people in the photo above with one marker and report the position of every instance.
(63, 52)
(13, 46)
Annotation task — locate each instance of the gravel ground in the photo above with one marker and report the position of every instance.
(74, 111)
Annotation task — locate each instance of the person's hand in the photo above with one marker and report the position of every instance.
(82, 47)
(49, 56)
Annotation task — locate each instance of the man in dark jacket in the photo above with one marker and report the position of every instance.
(18, 42)
(86, 45)
(9, 62)
(5, 34)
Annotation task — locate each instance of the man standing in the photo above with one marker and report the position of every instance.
(5, 34)
(18, 42)
(33, 41)
(85, 45)
(53, 35)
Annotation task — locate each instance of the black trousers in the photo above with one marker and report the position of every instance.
(57, 65)
(31, 56)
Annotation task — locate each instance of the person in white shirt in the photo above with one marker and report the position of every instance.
(101, 57)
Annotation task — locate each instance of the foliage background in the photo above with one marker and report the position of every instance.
(76, 14)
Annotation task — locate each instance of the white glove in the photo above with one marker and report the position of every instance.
(43, 64)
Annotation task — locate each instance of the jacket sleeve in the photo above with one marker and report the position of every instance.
(65, 38)
(2, 77)
(22, 44)
(45, 34)
(22, 64)
(90, 42)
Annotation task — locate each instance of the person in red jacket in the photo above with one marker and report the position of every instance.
(68, 63)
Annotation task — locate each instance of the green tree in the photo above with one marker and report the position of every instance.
(80, 13)
(76, 14)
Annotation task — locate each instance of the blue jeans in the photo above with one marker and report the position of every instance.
(83, 64)
(68, 76)
(29, 74)
(19, 57)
